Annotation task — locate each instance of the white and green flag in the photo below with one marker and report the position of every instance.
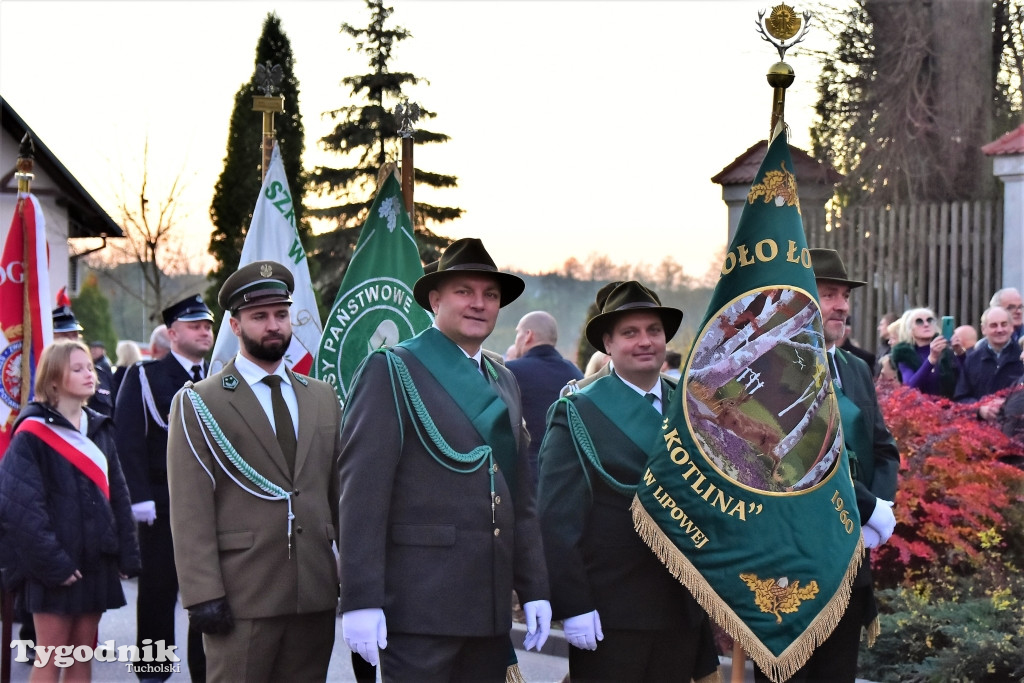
(272, 236)
(375, 306)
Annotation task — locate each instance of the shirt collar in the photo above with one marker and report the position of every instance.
(656, 390)
(186, 363)
(253, 374)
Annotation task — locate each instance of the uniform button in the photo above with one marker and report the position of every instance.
(497, 500)
(497, 532)
(494, 468)
(298, 530)
(295, 492)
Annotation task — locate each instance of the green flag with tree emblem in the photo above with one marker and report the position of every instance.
(375, 306)
(748, 497)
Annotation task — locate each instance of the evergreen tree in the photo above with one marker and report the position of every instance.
(92, 309)
(912, 92)
(366, 135)
(238, 187)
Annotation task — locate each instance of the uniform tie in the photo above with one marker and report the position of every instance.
(197, 373)
(283, 424)
(651, 398)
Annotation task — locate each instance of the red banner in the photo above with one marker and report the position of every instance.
(24, 286)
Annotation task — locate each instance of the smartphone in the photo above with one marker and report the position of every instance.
(948, 323)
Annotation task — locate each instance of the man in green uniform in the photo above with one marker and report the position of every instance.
(626, 617)
(437, 512)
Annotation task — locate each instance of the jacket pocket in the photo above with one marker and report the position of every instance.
(423, 534)
(235, 540)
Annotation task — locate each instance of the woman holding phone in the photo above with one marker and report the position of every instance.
(66, 524)
(923, 357)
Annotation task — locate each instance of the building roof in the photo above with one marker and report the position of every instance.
(86, 217)
(743, 169)
(1010, 143)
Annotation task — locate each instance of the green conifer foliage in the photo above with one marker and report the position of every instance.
(239, 184)
(366, 137)
(92, 309)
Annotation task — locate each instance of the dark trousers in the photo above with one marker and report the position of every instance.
(642, 656)
(835, 660)
(292, 648)
(425, 658)
(158, 595)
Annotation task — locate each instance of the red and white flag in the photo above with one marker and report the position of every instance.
(27, 236)
(273, 236)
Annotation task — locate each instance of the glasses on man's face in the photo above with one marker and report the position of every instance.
(924, 321)
(1015, 309)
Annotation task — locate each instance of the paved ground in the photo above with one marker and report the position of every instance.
(550, 666)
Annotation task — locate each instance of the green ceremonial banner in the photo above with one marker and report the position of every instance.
(748, 498)
(375, 306)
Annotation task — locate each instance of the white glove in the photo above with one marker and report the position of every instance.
(538, 624)
(583, 631)
(882, 520)
(871, 538)
(365, 630)
(144, 512)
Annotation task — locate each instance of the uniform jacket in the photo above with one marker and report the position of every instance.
(596, 559)
(417, 539)
(228, 542)
(53, 519)
(141, 442)
(859, 388)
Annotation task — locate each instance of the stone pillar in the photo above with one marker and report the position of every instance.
(1009, 168)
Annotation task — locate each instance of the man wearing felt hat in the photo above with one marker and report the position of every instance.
(252, 469)
(438, 521)
(626, 617)
(140, 414)
(874, 461)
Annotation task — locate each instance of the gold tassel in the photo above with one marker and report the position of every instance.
(873, 630)
(775, 668)
(514, 675)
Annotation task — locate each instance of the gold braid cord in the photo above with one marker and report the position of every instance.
(715, 677)
(792, 658)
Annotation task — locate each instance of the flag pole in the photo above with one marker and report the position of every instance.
(24, 167)
(407, 113)
(266, 79)
(23, 172)
(783, 28)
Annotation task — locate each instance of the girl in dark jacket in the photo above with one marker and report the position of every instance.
(65, 513)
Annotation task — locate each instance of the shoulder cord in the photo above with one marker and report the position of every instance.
(148, 402)
(213, 429)
(426, 429)
(585, 449)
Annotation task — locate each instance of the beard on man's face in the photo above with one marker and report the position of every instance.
(270, 349)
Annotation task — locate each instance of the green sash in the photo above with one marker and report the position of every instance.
(856, 434)
(474, 395)
(626, 409)
(621, 406)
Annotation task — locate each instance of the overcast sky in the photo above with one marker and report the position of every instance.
(577, 127)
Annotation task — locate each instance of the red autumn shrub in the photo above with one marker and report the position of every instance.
(957, 504)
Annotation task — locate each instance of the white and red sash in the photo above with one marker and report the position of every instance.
(76, 447)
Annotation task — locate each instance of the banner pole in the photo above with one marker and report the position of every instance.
(24, 167)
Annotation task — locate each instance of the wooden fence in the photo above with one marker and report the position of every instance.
(944, 256)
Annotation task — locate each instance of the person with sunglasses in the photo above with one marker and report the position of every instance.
(924, 358)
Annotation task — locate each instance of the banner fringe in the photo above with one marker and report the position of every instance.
(514, 675)
(873, 630)
(779, 668)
